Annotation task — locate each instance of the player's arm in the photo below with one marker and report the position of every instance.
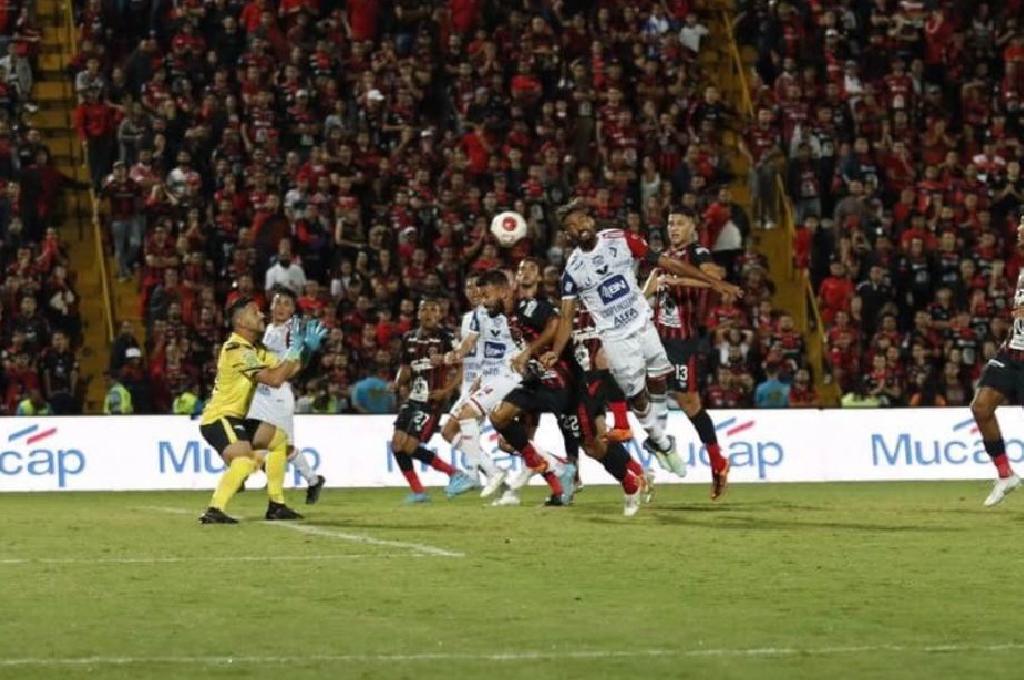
(279, 374)
(446, 390)
(403, 377)
(459, 353)
(564, 332)
(545, 339)
(642, 251)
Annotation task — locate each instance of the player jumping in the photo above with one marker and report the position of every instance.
(1002, 380)
(679, 312)
(274, 407)
(430, 387)
(600, 273)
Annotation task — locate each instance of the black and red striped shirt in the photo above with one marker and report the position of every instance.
(680, 311)
(527, 324)
(418, 346)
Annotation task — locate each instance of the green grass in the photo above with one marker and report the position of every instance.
(680, 591)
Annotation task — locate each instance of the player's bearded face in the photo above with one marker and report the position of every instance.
(493, 299)
(581, 229)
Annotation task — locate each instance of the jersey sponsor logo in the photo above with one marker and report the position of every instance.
(613, 289)
(494, 350)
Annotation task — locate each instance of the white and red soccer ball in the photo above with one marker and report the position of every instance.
(508, 228)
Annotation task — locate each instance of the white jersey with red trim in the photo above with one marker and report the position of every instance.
(604, 279)
(275, 405)
(470, 362)
(495, 345)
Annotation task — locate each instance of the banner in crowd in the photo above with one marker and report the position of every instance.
(112, 453)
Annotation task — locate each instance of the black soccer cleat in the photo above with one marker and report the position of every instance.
(313, 490)
(215, 516)
(280, 511)
(555, 501)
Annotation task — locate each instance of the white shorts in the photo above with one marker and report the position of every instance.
(636, 357)
(492, 391)
(276, 406)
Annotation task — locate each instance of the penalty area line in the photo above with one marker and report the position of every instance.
(517, 656)
(316, 530)
(15, 561)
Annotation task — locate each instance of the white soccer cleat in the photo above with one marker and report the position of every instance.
(632, 505)
(509, 498)
(669, 459)
(1003, 486)
(493, 484)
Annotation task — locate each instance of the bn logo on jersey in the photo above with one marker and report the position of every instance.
(494, 350)
(613, 289)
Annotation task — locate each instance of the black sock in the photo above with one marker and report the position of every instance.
(995, 448)
(616, 460)
(705, 427)
(404, 461)
(423, 454)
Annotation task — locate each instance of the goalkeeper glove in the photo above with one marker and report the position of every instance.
(296, 340)
(315, 334)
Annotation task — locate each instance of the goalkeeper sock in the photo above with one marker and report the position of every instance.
(301, 464)
(275, 465)
(237, 471)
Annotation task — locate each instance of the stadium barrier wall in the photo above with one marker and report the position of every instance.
(135, 453)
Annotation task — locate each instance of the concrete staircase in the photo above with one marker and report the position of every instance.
(54, 94)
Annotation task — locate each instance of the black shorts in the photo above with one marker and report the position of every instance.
(225, 431)
(535, 398)
(417, 419)
(587, 402)
(1005, 375)
(688, 359)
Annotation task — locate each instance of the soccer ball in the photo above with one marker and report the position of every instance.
(508, 228)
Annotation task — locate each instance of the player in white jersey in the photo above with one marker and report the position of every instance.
(274, 407)
(600, 272)
(489, 340)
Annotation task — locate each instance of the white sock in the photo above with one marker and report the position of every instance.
(469, 443)
(302, 465)
(520, 479)
(649, 421)
(659, 404)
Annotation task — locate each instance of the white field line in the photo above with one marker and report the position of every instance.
(507, 657)
(314, 530)
(177, 560)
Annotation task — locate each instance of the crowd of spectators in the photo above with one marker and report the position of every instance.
(40, 327)
(898, 124)
(355, 152)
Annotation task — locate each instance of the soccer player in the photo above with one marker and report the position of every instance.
(600, 272)
(679, 312)
(463, 419)
(541, 391)
(430, 387)
(274, 407)
(243, 364)
(1002, 380)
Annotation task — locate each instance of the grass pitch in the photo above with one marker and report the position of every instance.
(782, 581)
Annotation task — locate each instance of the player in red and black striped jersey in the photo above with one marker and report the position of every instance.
(430, 385)
(680, 310)
(584, 327)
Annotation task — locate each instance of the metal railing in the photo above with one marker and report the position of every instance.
(94, 212)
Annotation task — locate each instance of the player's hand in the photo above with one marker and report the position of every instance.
(726, 288)
(437, 395)
(519, 362)
(315, 334)
(296, 340)
(549, 359)
(477, 382)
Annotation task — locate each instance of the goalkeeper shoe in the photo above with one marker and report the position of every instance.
(280, 511)
(215, 516)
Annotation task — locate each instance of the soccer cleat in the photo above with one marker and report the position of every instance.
(568, 480)
(493, 484)
(632, 505)
(647, 485)
(509, 498)
(460, 483)
(1003, 486)
(215, 516)
(280, 511)
(313, 490)
(720, 481)
(669, 459)
(414, 498)
(620, 436)
(555, 501)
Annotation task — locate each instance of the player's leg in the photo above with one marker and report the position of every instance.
(658, 371)
(684, 384)
(402, 445)
(420, 429)
(996, 383)
(314, 482)
(480, 402)
(276, 466)
(230, 438)
(509, 425)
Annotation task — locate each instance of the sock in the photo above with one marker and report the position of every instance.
(635, 467)
(649, 421)
(616, 462)
(275, 466)
(521, 478)
(659, 404)
(404, 461)
(997, 451)
(620, 414)
(537, 463)
(232, 478)
(301, 464)
(706, 431)
(422, 453)
(469, 444)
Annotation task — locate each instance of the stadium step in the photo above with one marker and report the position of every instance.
(46, 90)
